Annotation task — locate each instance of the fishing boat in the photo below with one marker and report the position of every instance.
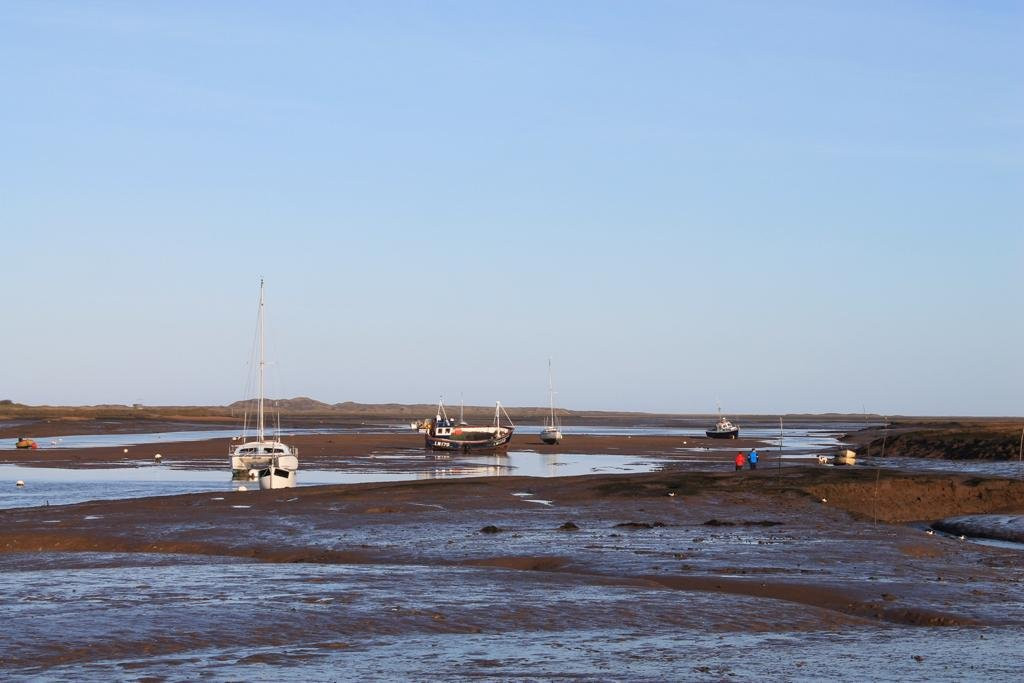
(723, 428)
(551, 434)
(271, 461)
(445, 434)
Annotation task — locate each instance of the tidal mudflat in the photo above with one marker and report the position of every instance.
(796, 573)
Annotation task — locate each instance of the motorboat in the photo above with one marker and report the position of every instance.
(280, 473)
(724, 429)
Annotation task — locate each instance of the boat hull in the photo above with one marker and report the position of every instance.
(258, 455)
(276, 478)
(845, 457)
(454, 443)
(551, 437)
(726, 434)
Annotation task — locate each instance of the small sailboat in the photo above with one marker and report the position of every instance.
(551, 434)
(444, 434)
(271, 461)
(724, 429)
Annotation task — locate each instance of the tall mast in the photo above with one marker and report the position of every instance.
(262, 361)
(551, 393)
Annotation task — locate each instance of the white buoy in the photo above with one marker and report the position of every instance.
(241, 488)
(126, 450)
(20, 484)
(824, 500)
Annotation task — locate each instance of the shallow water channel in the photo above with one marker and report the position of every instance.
(796, 436)
(60, 486)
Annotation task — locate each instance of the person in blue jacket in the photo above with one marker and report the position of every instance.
(752, 458)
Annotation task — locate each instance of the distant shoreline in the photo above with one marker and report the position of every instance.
(303, 409)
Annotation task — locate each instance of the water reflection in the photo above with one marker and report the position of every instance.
(797, 436)
(144, 438)
(58, 486)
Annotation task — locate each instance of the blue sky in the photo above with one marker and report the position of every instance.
(786, 206)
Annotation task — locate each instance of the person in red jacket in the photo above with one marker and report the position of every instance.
(741, 460)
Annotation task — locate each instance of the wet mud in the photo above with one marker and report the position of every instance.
(1008, 528)
(795, 574)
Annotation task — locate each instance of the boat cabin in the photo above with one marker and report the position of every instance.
(260, 449)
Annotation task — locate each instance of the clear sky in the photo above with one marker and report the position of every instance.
(784, 206)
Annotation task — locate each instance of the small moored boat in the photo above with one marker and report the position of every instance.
(845, 457)
(723, 428)
(270, 460)
(444, 434)
(551, 434)
(280, 473)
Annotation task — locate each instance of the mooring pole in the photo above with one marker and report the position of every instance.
(781, 436)
(1020, 453)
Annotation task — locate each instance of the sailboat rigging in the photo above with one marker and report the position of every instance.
(551, 434)
(273, 462)
(443, 434)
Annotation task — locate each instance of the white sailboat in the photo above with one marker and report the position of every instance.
(551, 434)
(274, 463)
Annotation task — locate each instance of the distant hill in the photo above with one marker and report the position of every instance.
(300, 404)
(303, 408)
